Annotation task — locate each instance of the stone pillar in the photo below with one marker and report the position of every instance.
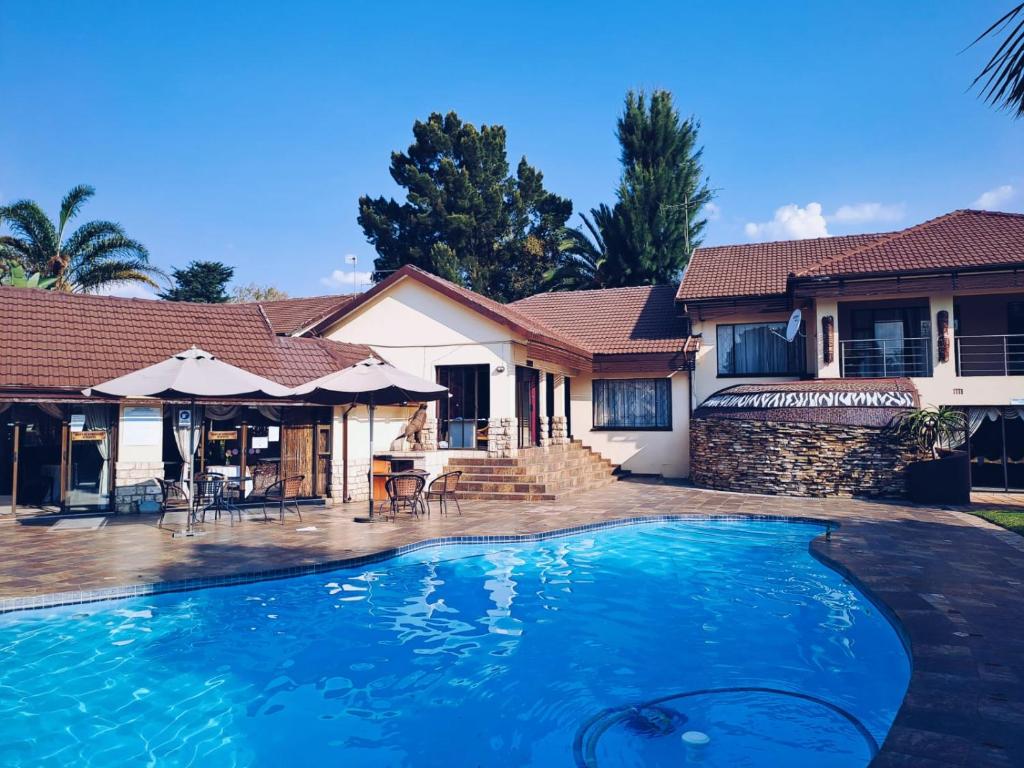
(139, 458)
(429, 434)
(136, 487)
(559, 430)
(502, 441)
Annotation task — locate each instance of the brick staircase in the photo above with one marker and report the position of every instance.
(536, 474)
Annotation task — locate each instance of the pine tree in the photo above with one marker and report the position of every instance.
(648, 236)
(466, 218)
(202, 282)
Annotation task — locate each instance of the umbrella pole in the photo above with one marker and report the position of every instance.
(369, 472)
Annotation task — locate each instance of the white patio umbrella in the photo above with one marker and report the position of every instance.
(371, 382)
(192, 373)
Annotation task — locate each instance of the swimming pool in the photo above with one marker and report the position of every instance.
(718, 643)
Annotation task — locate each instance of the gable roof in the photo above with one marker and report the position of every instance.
(963, 239)
(54, 340)
(958, 240)
(757, 269)
(643, 319)
(290, 317)
(503, 314)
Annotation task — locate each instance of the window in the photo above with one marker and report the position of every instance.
(632, 404)
(463, 415)
(759, 349)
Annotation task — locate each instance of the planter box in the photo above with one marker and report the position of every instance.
(946, 480)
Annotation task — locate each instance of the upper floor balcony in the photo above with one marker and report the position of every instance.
(989, 338)
(881, 339)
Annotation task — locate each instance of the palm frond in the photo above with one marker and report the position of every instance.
(73, 202)
(88, 234)
(27, 219)
(98, 274)
(1003, 75)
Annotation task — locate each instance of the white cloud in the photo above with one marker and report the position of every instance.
(994, 198)
(127, 291)
(865, 213)
(347, 280)
(712, 212)
(791, 222)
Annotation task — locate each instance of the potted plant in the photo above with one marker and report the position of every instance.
(945, 478)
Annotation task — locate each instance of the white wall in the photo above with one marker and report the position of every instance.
(654, 453)
(706, 380)
(416, 329)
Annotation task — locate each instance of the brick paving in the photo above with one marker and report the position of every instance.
(954, 583)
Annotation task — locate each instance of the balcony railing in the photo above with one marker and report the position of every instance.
(881, 358)
(990, 355)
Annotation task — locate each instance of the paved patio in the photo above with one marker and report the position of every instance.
(954, 583)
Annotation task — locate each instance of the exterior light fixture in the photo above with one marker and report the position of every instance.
(499, 369)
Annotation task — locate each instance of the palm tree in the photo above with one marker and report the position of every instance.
(1004, 73)
(585, 260)
(96, 255)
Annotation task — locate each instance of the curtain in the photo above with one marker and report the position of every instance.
(223, 412)
(4, 407)
(632, 404)
(52, 409)
(184, 441)
(976, 416)
(97, 417)
(270, 412)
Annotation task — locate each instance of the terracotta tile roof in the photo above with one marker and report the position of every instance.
(69, 341)
(613, 320)
(504, 314)
(958, 240)
(290, 316)
(757, 269)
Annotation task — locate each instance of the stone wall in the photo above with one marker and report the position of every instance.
(797, 458)
(136, 487)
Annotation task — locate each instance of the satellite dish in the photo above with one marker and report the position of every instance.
(793, 327)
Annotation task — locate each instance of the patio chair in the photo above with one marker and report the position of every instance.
(405, 490)
(284, 492)
(444, 488)
(264, 475)
(170, 489)
(209, 495)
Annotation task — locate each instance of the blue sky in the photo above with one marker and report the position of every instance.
(246, 132)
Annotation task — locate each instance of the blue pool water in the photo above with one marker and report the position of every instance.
(605, 648)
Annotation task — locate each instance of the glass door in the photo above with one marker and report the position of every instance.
(463, 415)
(90, 461)
(527, 405)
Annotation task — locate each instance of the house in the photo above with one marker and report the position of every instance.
(712, 379)
(936, 309)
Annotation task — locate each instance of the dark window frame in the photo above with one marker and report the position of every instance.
(799, 362)
(658, 382)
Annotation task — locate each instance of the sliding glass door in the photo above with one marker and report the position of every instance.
(463, 415)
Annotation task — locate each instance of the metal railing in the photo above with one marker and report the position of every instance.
(881, 358)
(990, 355)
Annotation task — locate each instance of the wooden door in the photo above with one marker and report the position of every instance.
(297, 455)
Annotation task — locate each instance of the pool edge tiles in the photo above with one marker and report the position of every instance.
(145, 589)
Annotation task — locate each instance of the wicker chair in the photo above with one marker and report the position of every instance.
(405, 490)
(444, 488)
(264, 475)
(170, 489)
(208, 494)
(284, 492)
